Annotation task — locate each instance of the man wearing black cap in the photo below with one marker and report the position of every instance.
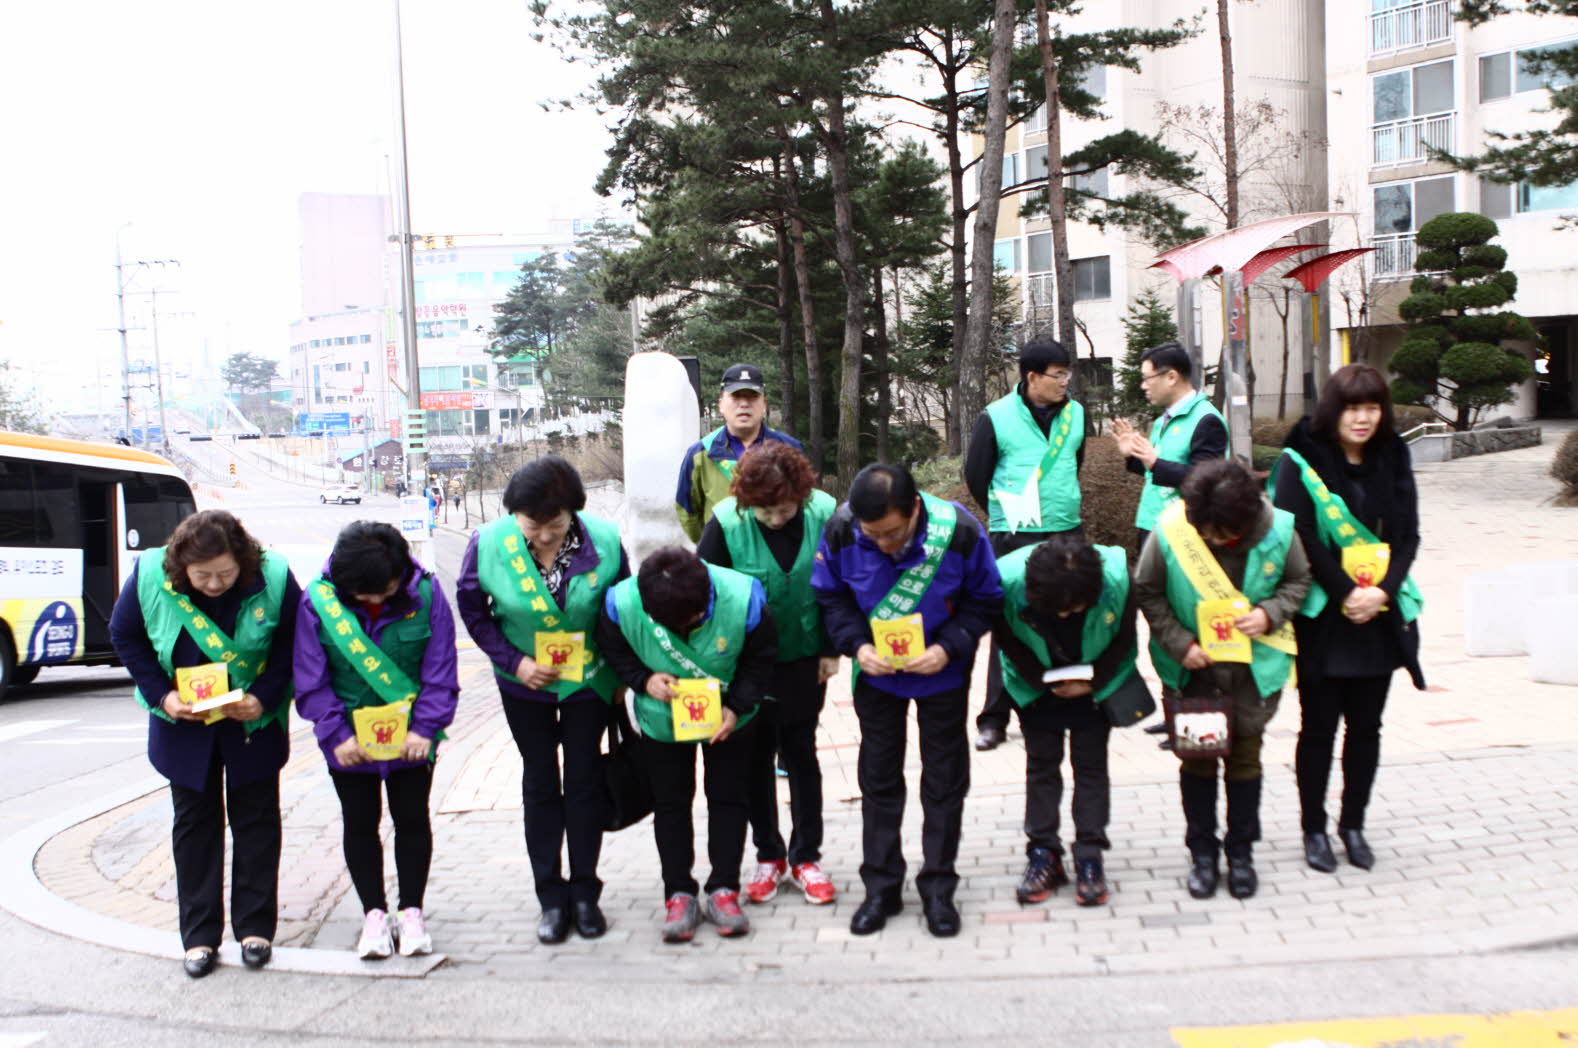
(708, 466)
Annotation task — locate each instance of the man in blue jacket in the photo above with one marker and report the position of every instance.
(891, 559)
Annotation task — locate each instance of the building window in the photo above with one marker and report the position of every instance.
(1039, 247)
(1092, 182)
(1400, 209)
(1092, 278)
(1412, 113)
(367, 338)
(1507, 73)
(1005, 255)
(1398, 25)
(1547, 198)
(438, 378)
(1036, 122)
(479, 422)
(1495, 198)
(1094, 80)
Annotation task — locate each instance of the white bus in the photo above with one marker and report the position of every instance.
(73, 518)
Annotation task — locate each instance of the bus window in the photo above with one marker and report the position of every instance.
(154, 506)
(55, 495)
(16, 504)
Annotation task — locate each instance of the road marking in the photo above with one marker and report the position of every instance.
(30, 727)
(19, 1040)
(77, 740)
(1498, 1030)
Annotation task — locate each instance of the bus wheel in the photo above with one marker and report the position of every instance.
(9, 673)
(24, 675)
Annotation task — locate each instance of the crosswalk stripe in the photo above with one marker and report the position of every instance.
(30, 727)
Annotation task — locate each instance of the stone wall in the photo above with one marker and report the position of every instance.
(1485, 441)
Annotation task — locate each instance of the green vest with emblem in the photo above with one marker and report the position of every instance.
(255, 625)
(1171, 441)
(789, 594)
(1102, 622)
(1021, 450)
(717, 643)
(1262, 572)
(403, 641)
(518, 613)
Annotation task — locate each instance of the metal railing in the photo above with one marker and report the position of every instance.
(1043, 290)
(1410, 26)
(1394, 255)
(1410, 141)
(1408, 437)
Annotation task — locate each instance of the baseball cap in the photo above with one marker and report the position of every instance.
(742, 376)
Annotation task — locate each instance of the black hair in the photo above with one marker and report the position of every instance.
(368, 555)
(545, 488)
(1041, 354)
(1062, 574)
(880, 489)
(1223, 495)
(1351, 384)
(674, 587)
(1170, 356)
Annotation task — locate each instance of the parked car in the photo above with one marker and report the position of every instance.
(340, 494)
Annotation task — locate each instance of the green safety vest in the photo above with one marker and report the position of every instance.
(1026, 456)
(1171, 440)
(1102, 622)
(403, 641)
(505, 567)
(164, 620)
(712, 649)
(789, 594)
(1262, 572)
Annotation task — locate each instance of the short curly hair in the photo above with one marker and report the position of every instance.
(205, 535)
(770, 474)
(1222, 494)
(1062, 574)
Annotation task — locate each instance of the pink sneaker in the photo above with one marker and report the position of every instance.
(818, 886)
(763, 884)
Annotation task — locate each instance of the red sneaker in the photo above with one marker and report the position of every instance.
(763, 884)
(818, 886)
(723, 909)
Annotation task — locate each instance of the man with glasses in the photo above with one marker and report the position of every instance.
(1190, 431)
(1023, 466)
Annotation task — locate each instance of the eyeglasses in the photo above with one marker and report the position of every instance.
(1145, 379)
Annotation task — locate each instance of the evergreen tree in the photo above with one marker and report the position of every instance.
(1149, 323)
(1452, 351)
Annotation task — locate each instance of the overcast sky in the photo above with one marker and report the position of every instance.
(200, 123)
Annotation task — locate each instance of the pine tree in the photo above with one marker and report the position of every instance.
(1149, 323)
(1453, 350)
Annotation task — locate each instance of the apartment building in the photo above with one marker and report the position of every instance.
(1403, 78)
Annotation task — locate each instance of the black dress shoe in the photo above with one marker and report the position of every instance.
(1203, 876)
(991, 736)
(1359, 852)
(872, 915)
(553, 927)
(589, 920)
(1317, 852)
(942, 918)
(198, 965)
(256, 954)
(1159, 728)
(1242, 881)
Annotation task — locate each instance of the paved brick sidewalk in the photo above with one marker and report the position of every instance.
(1475, 825)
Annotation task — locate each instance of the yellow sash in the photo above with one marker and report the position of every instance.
(1209, 580)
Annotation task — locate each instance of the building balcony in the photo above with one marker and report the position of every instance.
(1410, 141)
(1042, 289)
(1393, 256)
(1410, 26)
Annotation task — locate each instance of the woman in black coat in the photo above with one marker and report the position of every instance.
(1347, 479)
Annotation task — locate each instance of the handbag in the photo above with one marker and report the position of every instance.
(1130, 702)
(625, 784)
(1200, 726)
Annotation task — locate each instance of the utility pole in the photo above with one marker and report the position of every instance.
(121, 283)
(158, 369)
(415, 429)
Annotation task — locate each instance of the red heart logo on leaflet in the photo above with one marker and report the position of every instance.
(383, 731)
(560, 654)
(1222, 626)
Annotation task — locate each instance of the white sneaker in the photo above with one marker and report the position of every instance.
(377, 941)
(413, 935)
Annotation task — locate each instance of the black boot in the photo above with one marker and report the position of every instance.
(1241, 879)
(1199, 806)
(1243, 830)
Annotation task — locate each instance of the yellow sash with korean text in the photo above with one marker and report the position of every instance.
(388, 681)
(1207, 577)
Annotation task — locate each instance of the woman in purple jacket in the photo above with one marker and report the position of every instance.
(375, 673)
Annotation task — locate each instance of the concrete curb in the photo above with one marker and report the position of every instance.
(24, 895)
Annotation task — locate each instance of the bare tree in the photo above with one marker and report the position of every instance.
(1229, 114)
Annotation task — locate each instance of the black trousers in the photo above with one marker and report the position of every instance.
(197, 841)
(361, 805)
(786, 728)
(672, 767)
(998, 703)
(1045, 723)
(945, 780)
(1358, 701)
(571, 814)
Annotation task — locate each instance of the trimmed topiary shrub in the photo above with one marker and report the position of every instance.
(1564, 467)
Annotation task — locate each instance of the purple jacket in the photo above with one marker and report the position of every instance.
(439, 684)
(476, 612)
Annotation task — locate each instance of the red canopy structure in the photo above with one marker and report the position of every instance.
(1235, 248)
(1313, 274)
(1271, 256)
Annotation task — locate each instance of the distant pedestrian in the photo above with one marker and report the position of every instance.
(1346, 477)
(375, 674)
(212, 611)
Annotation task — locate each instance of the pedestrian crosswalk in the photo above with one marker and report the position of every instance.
(1501, 1030)
(22, 729)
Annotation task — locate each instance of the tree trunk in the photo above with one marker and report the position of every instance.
(791, 417)
(972, 399)
(956, 250)
(1282, 383)
(1229, 115)
(837, 143)
(1057, 209)
(880, 355)
(802, 269)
